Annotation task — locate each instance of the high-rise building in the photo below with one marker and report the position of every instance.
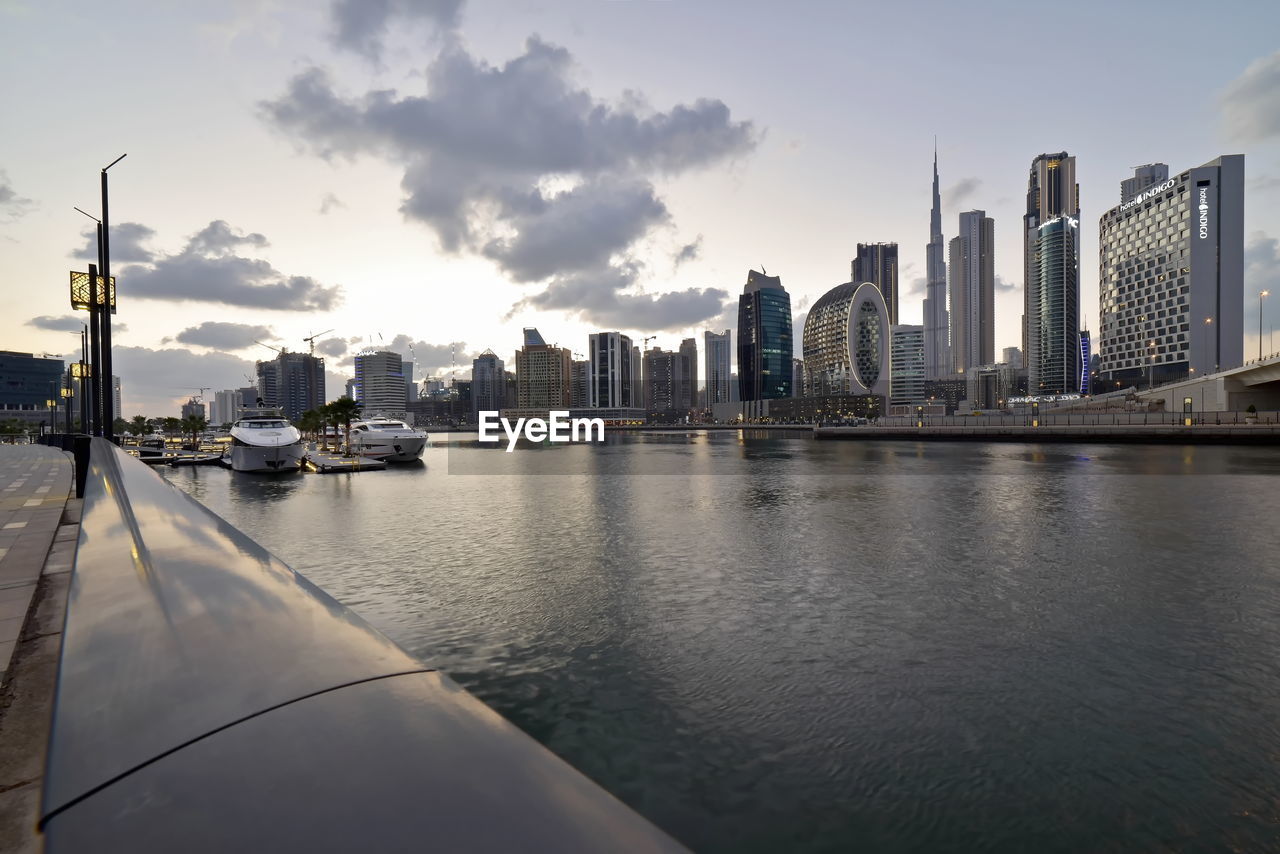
(662, 378)
(488, 383)
(764, 339)
(937, 326)
(973, 288)
(1171, 277)
(1051, 267)
(292, 382)
(846, 342)
(688, 400)
(579, 384)
(380, 384)
(717, 350)
(1143, 177)
(906, 365)
(797, 377)
(636, 397)
(1012, 356)
(406, 370)
(878, 263)
(115, 397)
(543, 374)
(613, 371)
(192, 409)
(1085, 355)
(27, 383)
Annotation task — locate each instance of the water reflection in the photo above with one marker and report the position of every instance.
(796, 645)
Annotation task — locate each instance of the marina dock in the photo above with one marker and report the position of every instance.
(330, 462)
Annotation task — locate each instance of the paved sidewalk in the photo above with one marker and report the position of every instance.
(34, 485)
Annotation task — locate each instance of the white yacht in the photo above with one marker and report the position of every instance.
(263, 440)
(387, 439)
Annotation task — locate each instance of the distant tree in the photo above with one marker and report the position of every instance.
(119, 426)
(140, 425)
(310, 422)
(195, 425)
(343, 411)
(170, 425)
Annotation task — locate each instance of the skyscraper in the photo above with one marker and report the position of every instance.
(293, 383)
(488, 383)
(1051, 268)
(1171, 277)
(937, 331)
(878, 263)
(688, 399)
(973, 289)
(846, 340)
(906, 365)
(379, 384)
(1143, 177)
(764, 339)
(543, 374)
(716, 350)
(613, 371)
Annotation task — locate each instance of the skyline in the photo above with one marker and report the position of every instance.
(771, 178)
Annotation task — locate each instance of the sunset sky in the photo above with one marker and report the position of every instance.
(441, 173)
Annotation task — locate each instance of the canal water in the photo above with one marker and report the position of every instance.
(770, 643)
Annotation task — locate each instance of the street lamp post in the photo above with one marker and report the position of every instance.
(1262, 295)
(108, 416)
(1208, 321)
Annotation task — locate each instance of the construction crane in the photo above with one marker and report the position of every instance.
(311, 339)
(199, 396)
(280, 350)
(645, 344)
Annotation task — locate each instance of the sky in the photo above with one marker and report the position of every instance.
(432, 175)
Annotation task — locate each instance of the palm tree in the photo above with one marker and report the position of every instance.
(310, 422)
(195, 425)
(343, 411)
(170, 425)
(139, 426)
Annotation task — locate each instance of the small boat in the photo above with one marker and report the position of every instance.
(387, 439)
(262, 440)
(151, 446)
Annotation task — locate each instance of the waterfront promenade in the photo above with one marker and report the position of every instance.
(39, 524)
(1232, 434)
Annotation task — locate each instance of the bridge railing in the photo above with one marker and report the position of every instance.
(209, 698)
(1096, 418)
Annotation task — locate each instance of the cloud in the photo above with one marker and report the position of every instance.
(1003, 284)
(1264, 183)
(600, 297)
(210, 269)
(430, 359)
(519, 164)
(330, 202)
(126, 244)
(156, 382)
(333, 347)
(71, 323)
(954, 197)
(224, 336)
(1251, 103)
(1261, 264)
(690, 251)
(12, 206)
(362, 25)
(917, 286)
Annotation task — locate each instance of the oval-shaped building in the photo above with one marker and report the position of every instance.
(846, 342)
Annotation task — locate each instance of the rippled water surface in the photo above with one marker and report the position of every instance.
(779, 644)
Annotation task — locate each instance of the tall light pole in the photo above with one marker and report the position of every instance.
(93, 354)
(1262, 295)
(108, 416)
(1208, 321)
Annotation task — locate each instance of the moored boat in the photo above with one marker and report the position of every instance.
(262, 440)
(387, 439)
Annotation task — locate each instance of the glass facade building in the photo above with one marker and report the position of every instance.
(764, 339)
(846, 342)
(1051, 270)
(1171, 278)
(878, 263)
(614, 371)
(907, 365)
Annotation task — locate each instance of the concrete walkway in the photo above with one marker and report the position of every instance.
(39, 530)
(34, 485)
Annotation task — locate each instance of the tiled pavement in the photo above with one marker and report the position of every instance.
(34, 486)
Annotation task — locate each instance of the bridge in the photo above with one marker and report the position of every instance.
(1255, 383)
(209, 698)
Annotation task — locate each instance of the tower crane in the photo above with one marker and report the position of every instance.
(645, 344)
(311, 339)
(280, 350)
